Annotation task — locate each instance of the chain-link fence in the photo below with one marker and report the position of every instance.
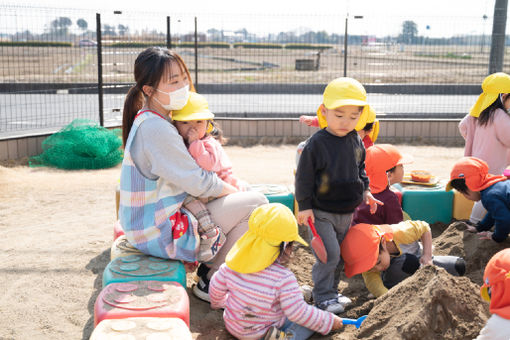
(247, 66)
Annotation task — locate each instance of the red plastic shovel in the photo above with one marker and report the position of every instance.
(317, 244)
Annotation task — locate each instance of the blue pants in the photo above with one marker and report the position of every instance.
(295, 331)
(326, 276)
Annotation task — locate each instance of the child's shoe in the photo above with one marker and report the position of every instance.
(307, 293)
(201, 288)
(344, 300)
(210, 243)
(331, 305)
(274, 333)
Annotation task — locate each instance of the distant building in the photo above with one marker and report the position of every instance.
(201, 37)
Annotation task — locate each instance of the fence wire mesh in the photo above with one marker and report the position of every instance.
(246, 66)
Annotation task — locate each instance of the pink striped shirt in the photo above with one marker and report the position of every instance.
(210, 156)
(254, 302)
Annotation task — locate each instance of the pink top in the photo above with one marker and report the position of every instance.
(490, 143)
(254, 302)
(210, 156)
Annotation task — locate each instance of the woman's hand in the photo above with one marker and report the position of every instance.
(371, 201)
(227, 189)
(302, 217)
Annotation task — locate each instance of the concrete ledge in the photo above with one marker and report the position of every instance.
(251, 131)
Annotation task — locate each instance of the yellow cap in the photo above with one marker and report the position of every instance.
(196, 108)
(375, 131)
(345, 91)
(492, 86)
(269, 225)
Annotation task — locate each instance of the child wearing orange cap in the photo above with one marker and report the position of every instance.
(331, 182)
(496, 290)
(470, 176)
(486, 127)
(260, 295)
(384, 165)
(387, 254)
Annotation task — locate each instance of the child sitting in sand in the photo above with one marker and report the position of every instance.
(471, 178)
(387, 254)
(496, 290)
(260, 295)
(384, 165)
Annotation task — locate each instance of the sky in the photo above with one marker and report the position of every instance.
(434, 18)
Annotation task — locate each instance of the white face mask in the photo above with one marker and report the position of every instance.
(178, 98)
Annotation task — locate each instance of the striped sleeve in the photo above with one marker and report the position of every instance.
(218, 289)
(298, 311)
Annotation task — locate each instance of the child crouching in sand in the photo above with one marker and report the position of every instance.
(387, 254)
(261, 297)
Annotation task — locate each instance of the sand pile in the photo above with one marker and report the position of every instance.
(431, 304)
(455, 240)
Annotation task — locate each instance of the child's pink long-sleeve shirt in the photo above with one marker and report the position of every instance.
(210, 156)
(490, 142)
(254, 302)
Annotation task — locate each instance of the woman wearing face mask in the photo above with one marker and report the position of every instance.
(158, 172)
(486, 130)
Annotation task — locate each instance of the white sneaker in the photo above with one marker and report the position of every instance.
(344, 300)
(332, 306)
(307, 293)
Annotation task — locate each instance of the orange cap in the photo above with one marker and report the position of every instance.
(475, 172)
(497, 278)
(360, 247)
(379, 159)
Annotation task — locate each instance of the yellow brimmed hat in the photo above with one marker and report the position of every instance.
(492, 86)
(196, 108)
(341, 92)
(269, 225)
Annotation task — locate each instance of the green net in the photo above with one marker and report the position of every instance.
(82, 144)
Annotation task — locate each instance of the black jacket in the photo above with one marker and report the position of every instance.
(331, 173)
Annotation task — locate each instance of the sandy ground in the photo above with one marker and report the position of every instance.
(56, 231)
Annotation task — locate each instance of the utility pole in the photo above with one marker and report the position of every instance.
(498, 36)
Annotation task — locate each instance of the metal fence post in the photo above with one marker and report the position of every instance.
(196, 52)
(99, 68)
(498, 36)
(345, 46)
(168, 34)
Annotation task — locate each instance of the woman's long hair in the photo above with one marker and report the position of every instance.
(150, 66)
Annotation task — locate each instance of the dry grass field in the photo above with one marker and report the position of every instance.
(369, 64)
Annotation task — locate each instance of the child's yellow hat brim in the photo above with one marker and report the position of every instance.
(345, 91)
(492, 86)
(196, 108)
(363, 118)
(269, 225)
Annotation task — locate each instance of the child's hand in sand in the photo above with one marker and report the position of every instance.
(426, 260)
(337, 323)
(471, 229)
(485, 235)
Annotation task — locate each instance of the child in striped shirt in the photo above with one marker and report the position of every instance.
(261, 297)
